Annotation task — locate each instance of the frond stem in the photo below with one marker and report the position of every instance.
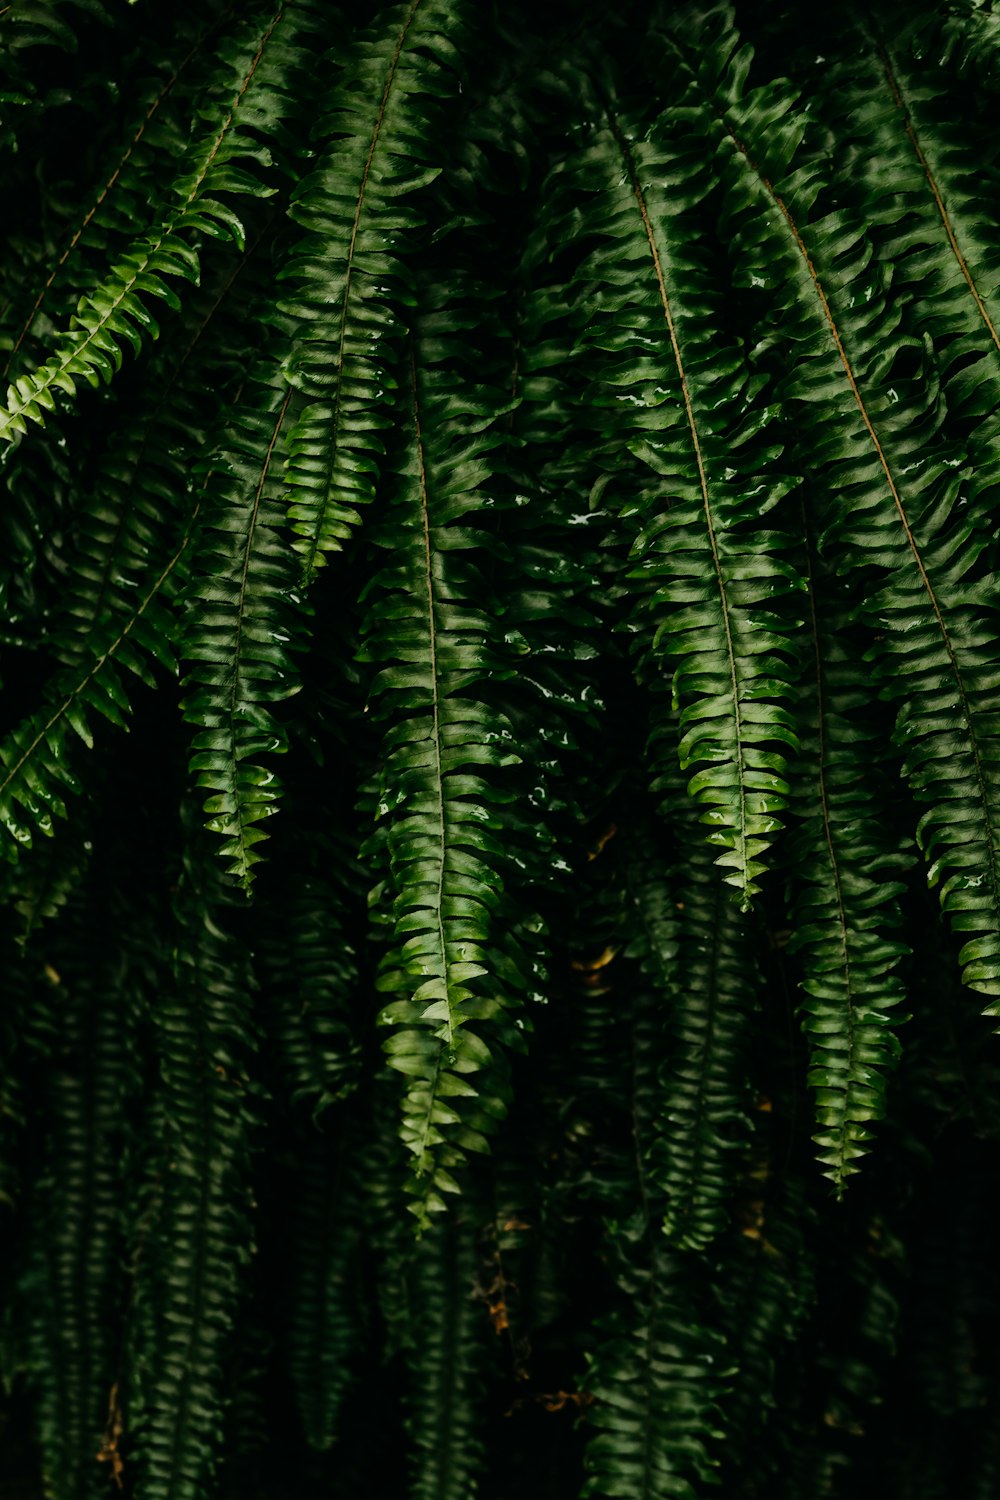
(939, 202)
(827, 825)
(435, 697)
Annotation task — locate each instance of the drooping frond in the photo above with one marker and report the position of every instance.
(971, 38)
(765, 1286)
(243, 612)
(377, 146)
(566, 438)
(684, 403)
(446, 1359)
(70, 1294)
(444, 754)
(188, 1279)
(309, 971)
(326, 1309)
(655, 1380)
(847, 916)
(36, 755)
(151, 143)
(658, 1367)
(895, 118)
(694, 946)
(117, 314)
(143, 490)
(888, 490)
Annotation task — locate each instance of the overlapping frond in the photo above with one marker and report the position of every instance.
(683, 402)
(888, 487)
(243, 613)
(309, 970)
(188, 1284)
(327, 1313)
(658, 1367)
(655, 1380)
(103, 223)
(847, 916)
(36, 755)
(85, 1027)
(377, 146)
(442, 784)
(656, 350)
(970, 35)
(253, 96)
(896, 118)
(446, 1359)
(694, 947)
(766, 1298)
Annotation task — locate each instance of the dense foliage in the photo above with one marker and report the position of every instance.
(512, 1016)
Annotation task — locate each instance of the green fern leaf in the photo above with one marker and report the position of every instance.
(895, 121)
(446, 1357)
(126, 197)
(694, 946)
(673, 393)
(35, 756)
(350, 278)
(309, 972)
(190, 1272)
(326, 1330)
(846, 915)
(442, 792)
(971, 39)
(71, 1287)
(892, 496)
(117, 314)
(243, 613)
(766, 1290)
(656, 1379)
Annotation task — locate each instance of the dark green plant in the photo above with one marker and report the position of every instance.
(512, 1014)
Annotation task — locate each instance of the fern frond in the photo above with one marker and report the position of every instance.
(676, 395)
(846, 916)
(39, 490)
(443, 750)
(190, 1274)
(243, 615)
(126, 196)
(40, 887)
(656, 1380)
(326, 1331)
(25, 27)
(116, 315)
(144, 487)
(894, 120)
(446, 1360)
(694, 948)
(891, 493)
(36, 755)
(71, 1290)
(378, 144)
(132, 535)
(309, 971)
(246, 1444)
(766, 1291)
